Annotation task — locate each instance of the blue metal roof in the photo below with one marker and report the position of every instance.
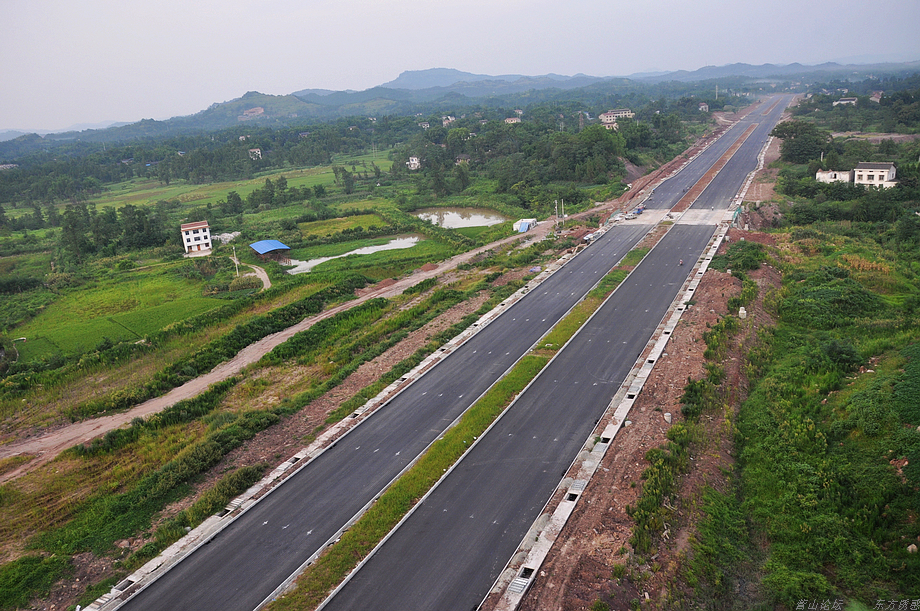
(265, 246)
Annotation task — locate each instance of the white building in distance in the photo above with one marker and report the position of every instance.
(865, 173)
(196, 236)
(611, 116)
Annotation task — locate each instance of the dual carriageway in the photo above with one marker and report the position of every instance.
(451, 548)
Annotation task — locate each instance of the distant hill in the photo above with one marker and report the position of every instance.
(828, 70)
(441, 77)
(11, 134)
(423, 90)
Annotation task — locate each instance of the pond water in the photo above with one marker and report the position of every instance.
(455, 218)
(394, 244)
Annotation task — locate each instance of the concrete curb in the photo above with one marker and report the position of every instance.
(520, 572)
(172, 555)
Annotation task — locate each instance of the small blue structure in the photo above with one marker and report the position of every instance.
(264, 247)
(272, 250)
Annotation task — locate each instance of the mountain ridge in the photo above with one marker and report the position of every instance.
(408, 91)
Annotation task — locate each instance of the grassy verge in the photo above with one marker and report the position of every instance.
(361, 538)
(332, 567)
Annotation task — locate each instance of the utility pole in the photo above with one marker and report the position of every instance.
(556, 223)
(563, 214)
(236, 262)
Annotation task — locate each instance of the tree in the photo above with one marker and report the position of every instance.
(348, 181)
(461, 177)
(802, 141)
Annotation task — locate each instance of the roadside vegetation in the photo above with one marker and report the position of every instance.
(93, 278)
(821, 503)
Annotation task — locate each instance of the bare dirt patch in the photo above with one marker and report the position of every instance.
(579, 569)
(762, 189)
(581, 566)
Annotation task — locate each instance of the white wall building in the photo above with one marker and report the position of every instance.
(611, 116)
(868, 174)
(875, 174)
(196, 236)
(834, 176)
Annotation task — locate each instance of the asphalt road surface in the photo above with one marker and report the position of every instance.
(245, 562)
(452, 548)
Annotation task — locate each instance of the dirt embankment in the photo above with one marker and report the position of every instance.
(580, 568)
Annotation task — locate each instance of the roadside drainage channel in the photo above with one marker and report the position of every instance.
(204, 532)
(525, 564)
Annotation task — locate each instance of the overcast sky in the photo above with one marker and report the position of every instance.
(64, 62)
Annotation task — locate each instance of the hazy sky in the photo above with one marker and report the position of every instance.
(64, 62)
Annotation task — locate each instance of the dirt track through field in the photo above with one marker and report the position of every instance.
(46, 447)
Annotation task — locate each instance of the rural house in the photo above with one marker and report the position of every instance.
(611, 116)
(866, 173)
(875, 174)
(196, 236)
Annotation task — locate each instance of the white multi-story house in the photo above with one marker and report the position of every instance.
(611, 116)
(868, 174)
(196, 236)
(875, 174)
(513, 120)
(414, 163)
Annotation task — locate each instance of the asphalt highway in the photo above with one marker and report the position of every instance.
(245, 562)
(451, 549)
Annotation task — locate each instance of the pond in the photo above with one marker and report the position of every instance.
(455, 218)
(395, 244)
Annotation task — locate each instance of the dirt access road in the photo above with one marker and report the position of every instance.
(54, 440)
(47, 446)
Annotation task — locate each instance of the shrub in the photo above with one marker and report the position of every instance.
(29, 577)
(742, 255)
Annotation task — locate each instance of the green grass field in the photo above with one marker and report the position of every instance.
(148, 191)
(389, 263)
(340, 248)
(330, 226)
(122, 308)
